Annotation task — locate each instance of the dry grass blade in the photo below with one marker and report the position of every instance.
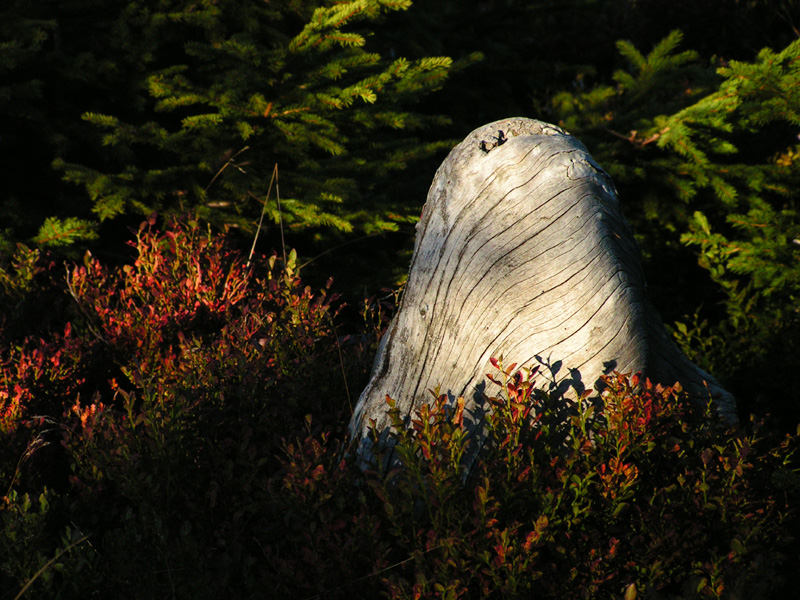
(47, 565)
(273, 179)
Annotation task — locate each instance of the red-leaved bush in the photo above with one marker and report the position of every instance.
(163, 398)
(174, 429)
(637, 496)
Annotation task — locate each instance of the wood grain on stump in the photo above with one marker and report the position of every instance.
(522, 251)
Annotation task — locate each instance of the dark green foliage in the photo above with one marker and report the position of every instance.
(669, 129)
(180, 105)
(707, 157)
(23, 40)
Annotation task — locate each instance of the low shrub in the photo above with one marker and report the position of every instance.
(152, 415)
(641, 496)
(174, 431)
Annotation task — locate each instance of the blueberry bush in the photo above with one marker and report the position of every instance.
(173, 427)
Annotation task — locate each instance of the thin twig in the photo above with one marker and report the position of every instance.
(634, 138)
(37, 443)
(225, 166)
(347, 243)
(375, 573)
(264, 210)
(341, 364)
(280, 213)
(47, 564)
(82, 309)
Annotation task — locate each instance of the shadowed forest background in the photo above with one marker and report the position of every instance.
(173, 408)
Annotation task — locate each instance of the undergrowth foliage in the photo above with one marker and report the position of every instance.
(174, 430)
(641, 497)
(151, 416)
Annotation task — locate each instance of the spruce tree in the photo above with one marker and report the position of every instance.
(707, 155)
(28, 131)
(234, 87)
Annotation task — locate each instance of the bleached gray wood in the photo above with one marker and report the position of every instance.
(521, 251)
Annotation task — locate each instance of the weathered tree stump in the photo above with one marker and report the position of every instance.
(522, 251)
